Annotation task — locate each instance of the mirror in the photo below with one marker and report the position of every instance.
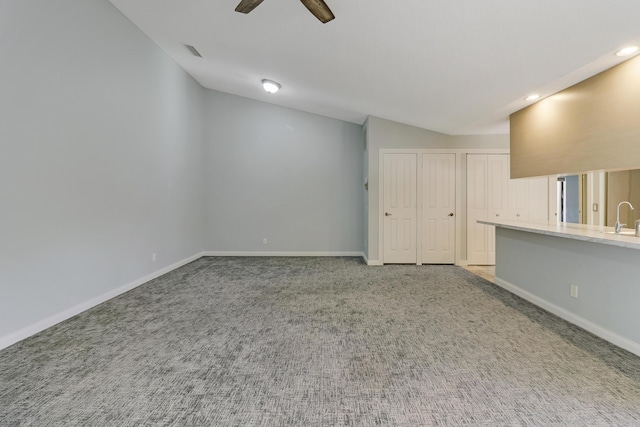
(623, 185)
(593, 198)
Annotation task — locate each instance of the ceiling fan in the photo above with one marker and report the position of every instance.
(318, 7)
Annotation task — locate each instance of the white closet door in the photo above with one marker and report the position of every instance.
(477, 209)
(518, 199)
(498, 197)
(489, 187)
(438, 208)
(538, 199)
(400, 213)
(498, 186)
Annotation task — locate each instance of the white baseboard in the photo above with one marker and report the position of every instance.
(370, 262)
(19, 335)
(50, 321)
(283, 254)
(571, 317)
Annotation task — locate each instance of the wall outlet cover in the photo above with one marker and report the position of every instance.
(574, 291)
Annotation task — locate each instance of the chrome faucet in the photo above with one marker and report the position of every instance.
(618, 225)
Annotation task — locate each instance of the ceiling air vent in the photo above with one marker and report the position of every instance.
(193, 50)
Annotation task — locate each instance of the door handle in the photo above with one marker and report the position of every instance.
(387, 214)
(451, 214)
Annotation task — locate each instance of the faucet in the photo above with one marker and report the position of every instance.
(618, 225)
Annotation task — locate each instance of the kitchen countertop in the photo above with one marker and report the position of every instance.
(587, 233)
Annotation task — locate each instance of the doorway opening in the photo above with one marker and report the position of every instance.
(571, 198)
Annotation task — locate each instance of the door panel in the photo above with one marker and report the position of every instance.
(518, 200)
(538, 200)
(498, 185)
(492, 195)
(399, 208)
(438, 203)
(477, 234)
(498, 198)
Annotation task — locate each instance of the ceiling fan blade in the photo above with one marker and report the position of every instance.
(319, 9)
(246, 6)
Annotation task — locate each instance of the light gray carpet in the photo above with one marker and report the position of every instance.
(317, 341)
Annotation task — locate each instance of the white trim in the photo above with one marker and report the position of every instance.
(444, 150)
(567, 315)
(364, 258)
(459, 209)
(282, 254)
(381, 154)
(602, 200)
(373, 262)
(50, 321)
(419, 206)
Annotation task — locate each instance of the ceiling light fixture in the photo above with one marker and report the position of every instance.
(270, 86)
(532, 97)
(627, 51)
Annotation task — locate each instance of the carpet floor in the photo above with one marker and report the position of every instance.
(317, 342)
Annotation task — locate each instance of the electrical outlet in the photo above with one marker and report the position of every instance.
(154, 257)
(264, 241)
(574, 291)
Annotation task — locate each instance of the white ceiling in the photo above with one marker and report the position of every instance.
(453, 66)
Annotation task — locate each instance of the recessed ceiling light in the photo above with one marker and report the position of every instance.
(627, 51)
(532, 97)
(270, 86)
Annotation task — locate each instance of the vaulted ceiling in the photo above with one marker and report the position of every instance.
(453, 66)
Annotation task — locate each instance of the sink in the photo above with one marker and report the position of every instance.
(622, 233)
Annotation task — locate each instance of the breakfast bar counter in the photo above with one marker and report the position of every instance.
(587, 233)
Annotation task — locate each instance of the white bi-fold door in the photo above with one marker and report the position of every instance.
(438, 208)
(487, 198)
(418, 227)
(399, 208)
(478, 235)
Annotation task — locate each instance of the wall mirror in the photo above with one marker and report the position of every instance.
(593, 198)
(623, 185)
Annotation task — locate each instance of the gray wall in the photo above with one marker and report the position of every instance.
(292, 177)
(110, 152)
(101, 159)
